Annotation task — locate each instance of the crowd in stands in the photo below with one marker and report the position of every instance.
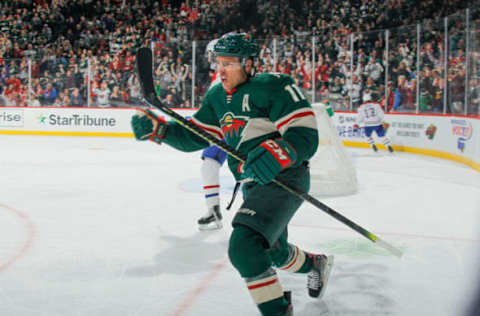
(82, 52)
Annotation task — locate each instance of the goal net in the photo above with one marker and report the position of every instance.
(331, 169)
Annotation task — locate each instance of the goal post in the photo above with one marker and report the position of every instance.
(331, 170)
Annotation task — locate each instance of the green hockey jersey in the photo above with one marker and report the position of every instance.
(267, 106)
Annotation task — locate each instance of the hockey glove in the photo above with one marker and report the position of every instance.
(269, 159)
(147, 125)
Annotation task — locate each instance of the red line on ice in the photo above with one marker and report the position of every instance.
(28, 242)
(202, 286)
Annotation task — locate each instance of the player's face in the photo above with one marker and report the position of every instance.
(231, 71)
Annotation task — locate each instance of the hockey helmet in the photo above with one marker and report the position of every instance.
(209, 51)
(236, 45)
(210, 46)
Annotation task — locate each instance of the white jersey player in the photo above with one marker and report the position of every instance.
(212, 159)
(370, 115)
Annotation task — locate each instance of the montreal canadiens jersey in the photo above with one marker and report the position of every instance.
(267, 106)
(215, 80)
(370, 114)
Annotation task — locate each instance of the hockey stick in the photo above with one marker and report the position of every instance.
(144, 61)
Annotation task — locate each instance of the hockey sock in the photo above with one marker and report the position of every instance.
(370, 141)
(297, 262)
(386, 141)
(248, 254)
(267, 293)
(211, 183)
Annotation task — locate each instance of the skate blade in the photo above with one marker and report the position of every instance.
(210, 226)
(328, 270)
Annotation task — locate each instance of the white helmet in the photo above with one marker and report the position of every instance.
(210, 46)
(209, 53)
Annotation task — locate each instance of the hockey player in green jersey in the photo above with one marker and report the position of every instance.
(266, 118)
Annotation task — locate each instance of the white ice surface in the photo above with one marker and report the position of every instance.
(105, 226)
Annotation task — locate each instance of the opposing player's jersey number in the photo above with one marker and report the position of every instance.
(370, 112)
(295, 92)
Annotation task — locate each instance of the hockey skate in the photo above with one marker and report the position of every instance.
(318, 277)
(212, 220)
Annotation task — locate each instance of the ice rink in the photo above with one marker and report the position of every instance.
(107, 226)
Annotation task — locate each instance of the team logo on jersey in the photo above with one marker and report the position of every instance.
(232, 125)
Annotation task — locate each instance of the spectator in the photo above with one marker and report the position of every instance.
(70, 81)
(165, 77)
(373, 89)
(425, 101)
(426, 79)
(134, 89)
(389, 99)
(335, 92)
(404, 95)
(179, 72)
(103, 94)
(76, 98)
(49, 94)
(456, 83)
(402, 70)
(437, 92)
(169, 101)
(354, 89)
(116, 97)
(66, 101)
(187, 104)
(176, 99)
(474, 97)
(374, 70)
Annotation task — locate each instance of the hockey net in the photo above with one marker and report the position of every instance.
(331, 169)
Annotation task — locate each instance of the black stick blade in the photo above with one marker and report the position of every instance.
(145, 72)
